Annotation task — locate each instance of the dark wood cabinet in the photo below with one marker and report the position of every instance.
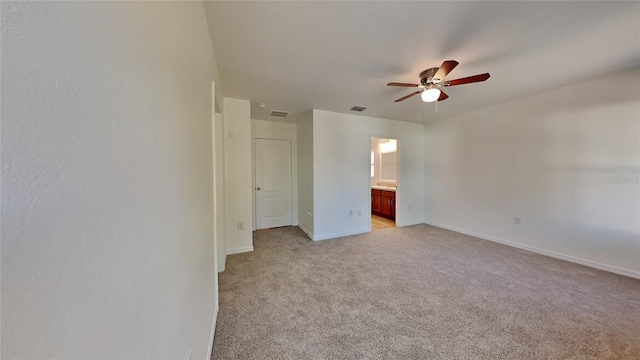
(376, 201)
(383, 203)
(386, 204)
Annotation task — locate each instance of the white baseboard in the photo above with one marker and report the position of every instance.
(413, 222)
(337, 235)
(309, 234)
(239, 250)
(573, 259)
(213, 332)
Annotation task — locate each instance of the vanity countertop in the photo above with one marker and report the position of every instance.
(386, 188)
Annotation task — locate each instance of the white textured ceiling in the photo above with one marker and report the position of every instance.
(295, 56)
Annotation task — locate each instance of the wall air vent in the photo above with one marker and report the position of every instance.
(279, 113)
(358, 108)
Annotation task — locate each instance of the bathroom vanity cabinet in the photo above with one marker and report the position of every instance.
(383, 203)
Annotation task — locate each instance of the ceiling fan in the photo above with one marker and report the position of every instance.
(432, 80)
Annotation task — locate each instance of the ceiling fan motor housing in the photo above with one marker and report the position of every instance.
(427, 75)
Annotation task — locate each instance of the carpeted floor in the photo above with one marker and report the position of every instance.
(418, 292)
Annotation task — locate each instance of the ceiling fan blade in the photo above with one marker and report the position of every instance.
(402, 84)
(445, 69)
(408, 96)
(467, 80)
(443, 96)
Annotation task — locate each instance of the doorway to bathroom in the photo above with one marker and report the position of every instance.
(384, 182)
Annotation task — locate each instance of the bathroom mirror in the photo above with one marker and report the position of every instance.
(388, 166)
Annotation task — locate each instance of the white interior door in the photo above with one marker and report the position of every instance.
(273, 183)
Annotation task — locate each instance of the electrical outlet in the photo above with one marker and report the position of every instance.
(409, 207)
(240, 225)
(350, 213)
(517, 220)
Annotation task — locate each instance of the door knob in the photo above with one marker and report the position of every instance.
(258, 189)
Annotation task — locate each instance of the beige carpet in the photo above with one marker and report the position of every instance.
(418, 292)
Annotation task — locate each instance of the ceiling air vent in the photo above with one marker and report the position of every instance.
(359, 108)
(279, 113)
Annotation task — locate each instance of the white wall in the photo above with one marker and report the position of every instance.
(305, 172)
(237, 176)
(107, 247)
(375, 147)
(548, 159)
(219, 103)
(341, 172)
(218, 141)
(261, 129)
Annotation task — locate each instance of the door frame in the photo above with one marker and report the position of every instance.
(294, 170)
(398, 140)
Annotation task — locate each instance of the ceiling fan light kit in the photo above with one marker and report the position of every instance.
(430, 95)
(431, 81)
